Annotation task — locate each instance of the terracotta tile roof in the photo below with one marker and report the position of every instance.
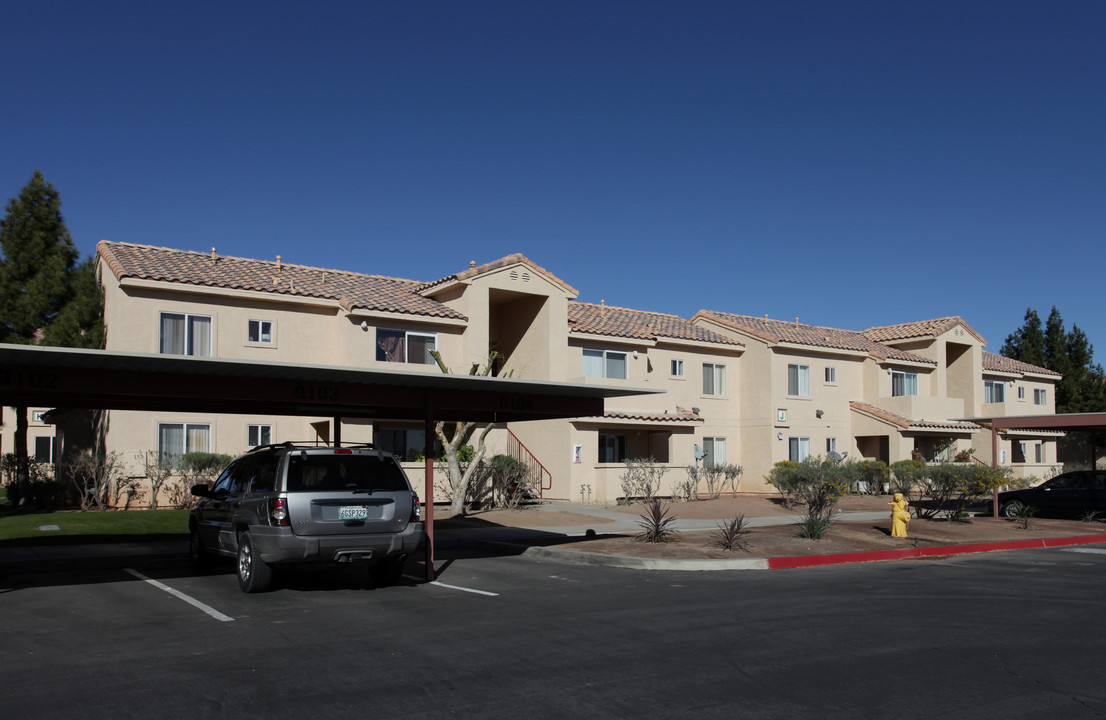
(681, 415)
(514, 259)
(637, 324)
(907, 424)
(352, 291)
(1001, 363)
(777, 331)
(922, 328)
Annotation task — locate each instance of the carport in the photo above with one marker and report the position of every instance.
(1067, 422)
(103, 380)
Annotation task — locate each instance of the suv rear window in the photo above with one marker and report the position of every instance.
(314, 473)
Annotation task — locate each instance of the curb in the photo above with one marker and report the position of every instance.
(581, 557)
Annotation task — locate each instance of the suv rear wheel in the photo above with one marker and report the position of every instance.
(254, 575)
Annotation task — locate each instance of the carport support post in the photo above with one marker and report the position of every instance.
(428, 505)
(994, 464)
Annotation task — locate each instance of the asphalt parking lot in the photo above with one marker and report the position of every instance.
(1003, 635)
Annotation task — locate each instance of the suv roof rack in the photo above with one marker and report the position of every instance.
(309, 444)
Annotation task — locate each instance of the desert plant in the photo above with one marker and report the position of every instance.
(816, 483)
(951, 488)
(730, 534)
(1092, 516)
(874, 472)
(716, 477)
(100, 479)
(509, 479)
(656, 524)
(685, 488)
(642, 479)
(904, 476)
(159, 468)
(815, 525)
(1023, 514)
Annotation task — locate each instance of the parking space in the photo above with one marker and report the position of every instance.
(951, 636)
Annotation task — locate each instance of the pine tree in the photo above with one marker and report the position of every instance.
(1027, 343)
(1083, 385)
(35, 271)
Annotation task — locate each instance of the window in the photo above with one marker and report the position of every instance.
(798, 449)
(406, 444)
(1040, 397)
(260, 435)
(831, 374)
(176, 439)
(715, 449)
(1021, 392)
(183, 334)
(1019, 452)
(405, 347)
(903, 383)
(605, 364)
(994, 392)
(677, 368)
(798, 380)
(831, 445)
(714, 379)
(260, 331)
(612, 448)
(44, 450)
(1040, 452)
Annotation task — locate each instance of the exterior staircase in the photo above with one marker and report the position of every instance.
(540, 478)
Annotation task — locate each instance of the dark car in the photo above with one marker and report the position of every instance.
(301, 504)
(1073, 494)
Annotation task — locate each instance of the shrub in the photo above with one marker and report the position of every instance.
(874, 472)
(510, 480)
(951, 488)
(716, 477)
(730, 534)
(642, 479)
(904, 476)
(656, 525)
(817, 483)
(100, 479)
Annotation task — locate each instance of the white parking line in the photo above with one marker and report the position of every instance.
(464, 589)
(1094, 551)
(178, 594)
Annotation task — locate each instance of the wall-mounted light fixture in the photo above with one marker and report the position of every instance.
(818, 414)
(365, 325)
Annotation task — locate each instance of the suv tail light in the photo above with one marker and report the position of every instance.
(416, 510)
(278, 511)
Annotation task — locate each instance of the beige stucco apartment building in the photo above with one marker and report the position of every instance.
(746, 390)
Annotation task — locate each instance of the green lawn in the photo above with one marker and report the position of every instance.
(92, 527)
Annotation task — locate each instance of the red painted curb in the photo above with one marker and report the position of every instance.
(799, 561)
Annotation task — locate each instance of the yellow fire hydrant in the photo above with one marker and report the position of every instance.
(899, 516)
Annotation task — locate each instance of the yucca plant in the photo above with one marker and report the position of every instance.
(1024, 513)
(730, 534)
(655, 524)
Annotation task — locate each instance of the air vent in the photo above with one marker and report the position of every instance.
(514, 275)
(526, 277)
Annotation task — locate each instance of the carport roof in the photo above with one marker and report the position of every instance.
(75, 378)
(1059, 421)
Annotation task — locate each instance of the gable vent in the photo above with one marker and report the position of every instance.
(514, 275)
(525, 277)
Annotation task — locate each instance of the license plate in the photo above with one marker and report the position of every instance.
(353, 512)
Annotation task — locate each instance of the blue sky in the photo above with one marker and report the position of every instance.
(847, 163)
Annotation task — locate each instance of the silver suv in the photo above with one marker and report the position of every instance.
(292, 504)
